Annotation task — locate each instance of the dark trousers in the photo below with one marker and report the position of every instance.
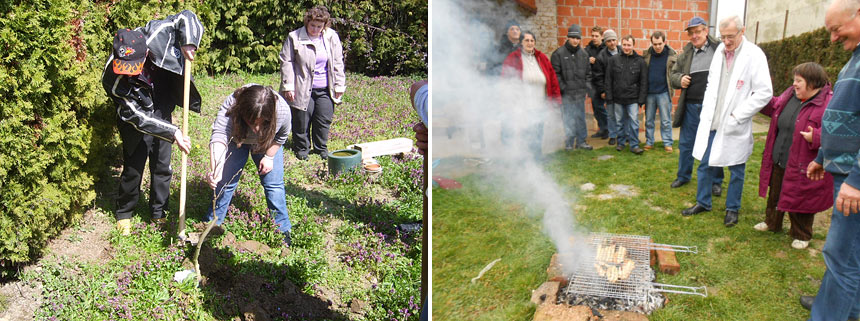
(801, 223)
(158, 151)
(598, 106)
(313, 123)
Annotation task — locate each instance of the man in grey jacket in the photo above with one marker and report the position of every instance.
(573, 71)
(690, 74)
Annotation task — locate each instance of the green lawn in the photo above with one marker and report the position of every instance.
(750, 275)
(346, 251)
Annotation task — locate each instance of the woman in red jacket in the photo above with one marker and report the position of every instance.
(535, 70)
(792, 142)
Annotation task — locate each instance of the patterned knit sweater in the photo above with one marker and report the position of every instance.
(840, 136)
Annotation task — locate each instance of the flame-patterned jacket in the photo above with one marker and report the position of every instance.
(145, 102)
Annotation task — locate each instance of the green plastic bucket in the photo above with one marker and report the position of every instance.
(342, 160)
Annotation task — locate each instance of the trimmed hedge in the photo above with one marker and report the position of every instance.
(57, 125)
(783, 55)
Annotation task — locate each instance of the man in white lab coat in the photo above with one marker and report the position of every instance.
(738, 87)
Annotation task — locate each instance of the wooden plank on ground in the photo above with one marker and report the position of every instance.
(384, 147)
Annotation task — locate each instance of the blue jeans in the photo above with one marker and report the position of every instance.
(839, 295)
(627, 117)
(273, 185)
(706, 180)
(689, 125)
(598, 106)
(658, 101)
(611, 124)
(573, 117)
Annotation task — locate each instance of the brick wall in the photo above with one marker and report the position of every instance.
(542, 24)
(637, 17)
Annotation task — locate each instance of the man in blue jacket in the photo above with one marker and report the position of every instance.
(839, 295)
(144, 78)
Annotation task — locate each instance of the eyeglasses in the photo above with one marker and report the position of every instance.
(731, 37)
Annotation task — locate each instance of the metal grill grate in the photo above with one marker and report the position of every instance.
(585, 280)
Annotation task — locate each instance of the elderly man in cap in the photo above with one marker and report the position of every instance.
(143, 76)
(598, 80)
(573, 71)
(738, 87)
(839, 295)
(690, 73)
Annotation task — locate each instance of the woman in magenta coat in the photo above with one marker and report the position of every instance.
(792, 142)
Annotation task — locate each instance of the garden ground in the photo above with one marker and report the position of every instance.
(348, 259)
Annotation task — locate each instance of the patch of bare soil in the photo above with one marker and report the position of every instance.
(250, 297)
(86, 243)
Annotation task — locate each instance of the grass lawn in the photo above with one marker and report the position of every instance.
(347, 260)
(750, 275)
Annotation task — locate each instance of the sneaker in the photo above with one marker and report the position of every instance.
(611, 141)
(584, 146)
(124, 227)
(761, 226)
(568, 147)
(648, 147)
(619, 148)
(636, 150)
(668, 149)
(798, 244)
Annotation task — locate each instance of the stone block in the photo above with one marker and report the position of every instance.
(546, 293)
(552, 312)
(668, 263)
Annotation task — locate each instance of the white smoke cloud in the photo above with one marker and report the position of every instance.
(471, 106)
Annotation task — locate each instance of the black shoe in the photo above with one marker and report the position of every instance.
(636, 150)
(611, 141)
(716, 190)
(598, 134)
(288, 241)
(731, 218)
(806, 301)
(696, 209)
(302, 157)
(619, 148)
(678, 183)
(324, 155)
(584, 146)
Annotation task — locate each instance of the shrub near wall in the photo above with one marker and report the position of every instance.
(813, 46)
(49, 87)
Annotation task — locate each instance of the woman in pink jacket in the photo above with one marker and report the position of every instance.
(792, 142)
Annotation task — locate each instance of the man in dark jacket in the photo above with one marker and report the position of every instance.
(627, 88)
(690, 73)
(574, 77)
(597, 104)
(144, 78)
(659, 58)
(598, 81)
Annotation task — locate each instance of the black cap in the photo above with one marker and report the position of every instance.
(129, 52)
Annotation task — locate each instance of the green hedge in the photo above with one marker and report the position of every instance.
(57, 126)
(49, 88)
(380, 37)
(783, 55)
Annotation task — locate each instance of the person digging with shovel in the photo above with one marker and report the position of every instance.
(254, 121)
(144, 77)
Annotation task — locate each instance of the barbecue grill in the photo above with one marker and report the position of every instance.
(636, 287)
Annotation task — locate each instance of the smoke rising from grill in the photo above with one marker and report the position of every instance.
(471, 105)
